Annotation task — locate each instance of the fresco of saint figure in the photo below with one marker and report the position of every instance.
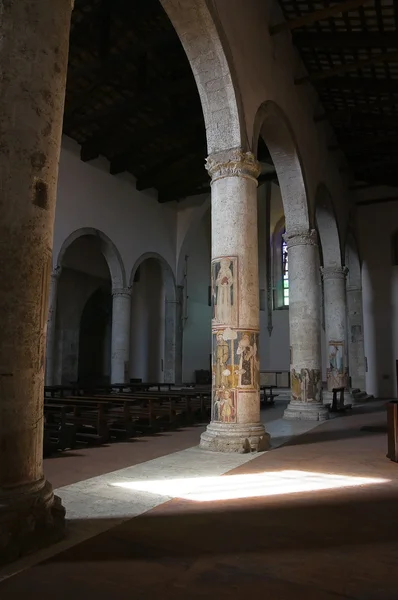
(224, 291)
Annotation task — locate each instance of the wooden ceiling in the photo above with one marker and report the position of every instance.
(350, 51)
(131, 95)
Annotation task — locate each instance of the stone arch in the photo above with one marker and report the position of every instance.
(273, 126)
(108, 249)
(172, 350)
(353, 262)
(200, 34)
(331, 255)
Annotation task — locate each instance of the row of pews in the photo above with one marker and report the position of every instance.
(76, 415)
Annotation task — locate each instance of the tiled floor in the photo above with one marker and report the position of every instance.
(267, 534)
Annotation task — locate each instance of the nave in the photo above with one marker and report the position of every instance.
(166, 519)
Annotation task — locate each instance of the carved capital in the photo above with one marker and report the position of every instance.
(335, 272)
(301, 237)
(232, 163)
(121, 292)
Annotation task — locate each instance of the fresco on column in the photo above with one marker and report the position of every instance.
(336, 373)
(224, 278)
(306, 385)
(235, 366)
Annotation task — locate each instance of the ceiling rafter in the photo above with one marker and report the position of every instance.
(318, 15)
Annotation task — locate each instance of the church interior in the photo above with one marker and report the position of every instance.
(199, 298)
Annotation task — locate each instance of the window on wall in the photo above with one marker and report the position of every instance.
(285, 272)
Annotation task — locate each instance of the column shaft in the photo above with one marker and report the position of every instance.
(33, 63)
(335, 326)
(121, 314)
(235, 424)
(356, 352)
(305, 327)
(51, 327)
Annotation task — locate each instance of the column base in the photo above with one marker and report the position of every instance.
(306, 411)
(239, 438)
(30, 518)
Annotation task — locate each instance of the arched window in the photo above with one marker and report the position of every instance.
(285, 271)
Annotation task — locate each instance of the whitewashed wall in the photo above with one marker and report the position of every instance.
(88, 196)
(377, 224)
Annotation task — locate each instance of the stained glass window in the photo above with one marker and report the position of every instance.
(285, 273)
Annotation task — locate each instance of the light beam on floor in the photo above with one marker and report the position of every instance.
(233, 487)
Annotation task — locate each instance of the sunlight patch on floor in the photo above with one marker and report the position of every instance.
(232, 487)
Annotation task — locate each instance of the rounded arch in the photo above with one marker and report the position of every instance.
(200, 35)
(352, 261)
(108, 249)
(326, 222)
(167, 273)
(172, 356)
(200, 213)
(273, 126)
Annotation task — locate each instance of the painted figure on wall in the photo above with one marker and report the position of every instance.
(336, 376)
(225, 308)
(224, 406)
(306, 386)
(221, 357)
(247, 353)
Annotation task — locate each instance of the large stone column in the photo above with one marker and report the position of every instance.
(51, 326)
(235, 424)
(33, 63)
(356, 351)
(334, 297)
(120, 353)
(305, 327)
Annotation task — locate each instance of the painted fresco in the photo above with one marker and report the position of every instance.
(306, 385)
(225, 291)
(336, 374)
(235, 366)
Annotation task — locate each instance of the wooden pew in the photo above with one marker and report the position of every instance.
(89, 417)
(58, 434)
(268, 398)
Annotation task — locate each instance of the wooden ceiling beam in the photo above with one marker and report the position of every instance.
(192, 124)
(318, 15)
(346, 39)
(351, 66)
(360, 84)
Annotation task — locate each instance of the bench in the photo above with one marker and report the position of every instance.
(267, 398)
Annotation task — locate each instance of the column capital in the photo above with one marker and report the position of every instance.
(123, 292)
(232, 163)
(301, 237)
(334, 272)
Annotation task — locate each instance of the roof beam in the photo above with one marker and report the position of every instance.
(346, 39)
(318, 15)
(351, 66)
(368, 84)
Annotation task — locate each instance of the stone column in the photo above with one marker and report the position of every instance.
(120, 353)
(51, 326)
(33, 63)
(334, 297)
(235, 424)
(305, 327)
(356, 351)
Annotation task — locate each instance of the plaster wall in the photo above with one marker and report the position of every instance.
(88, 196)
(376, 226)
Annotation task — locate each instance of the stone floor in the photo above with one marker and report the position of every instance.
(315, 518)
